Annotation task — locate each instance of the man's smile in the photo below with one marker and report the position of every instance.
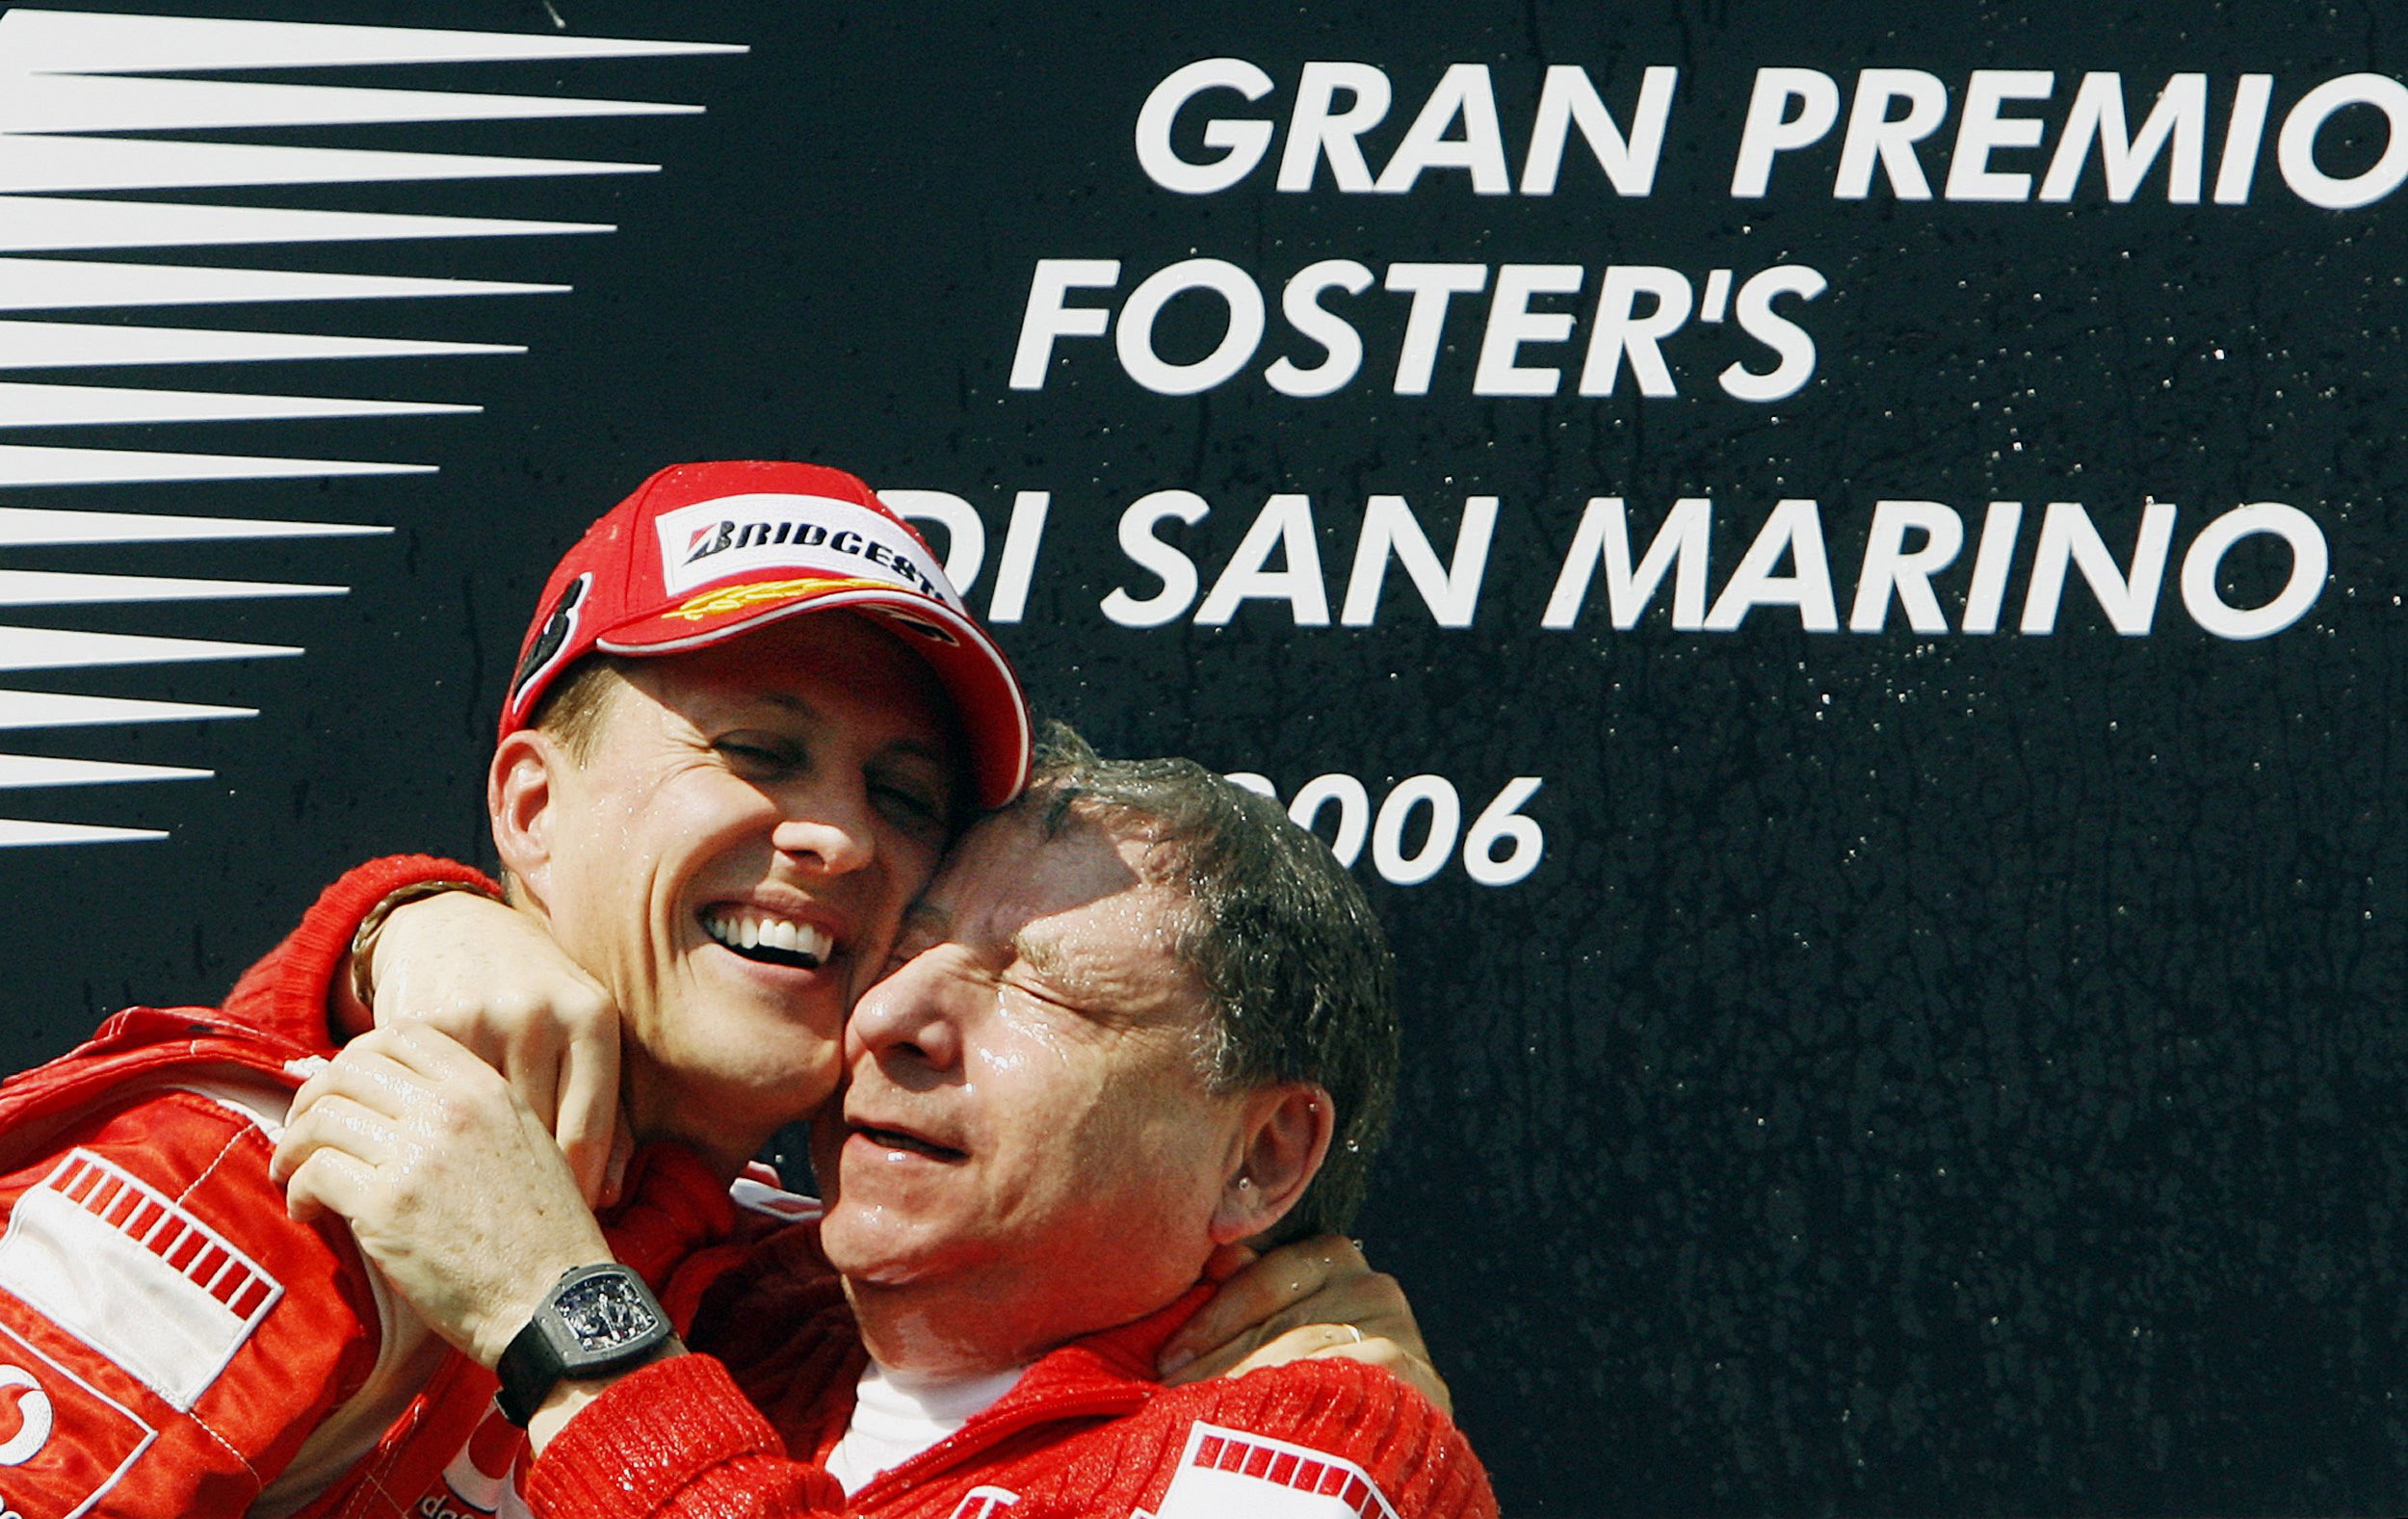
(766, 938)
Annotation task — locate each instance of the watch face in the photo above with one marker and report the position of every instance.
(603, 1312)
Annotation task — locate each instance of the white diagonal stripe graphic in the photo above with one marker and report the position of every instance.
(30, 525)
(21, 771)
(47, 285)
(65, 76)
(76, 41)
(54, 709)
(56, 587)
(68, 103)
(37, 165)
(88, 406)
(109, 466)
(64, 345)
(58, 648)
(16, 833)
(46, 224)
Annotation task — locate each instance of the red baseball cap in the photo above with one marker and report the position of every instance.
(702, 553)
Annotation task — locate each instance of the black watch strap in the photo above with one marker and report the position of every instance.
(595, 1320)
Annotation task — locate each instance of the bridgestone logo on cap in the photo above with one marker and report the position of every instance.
(743, 535)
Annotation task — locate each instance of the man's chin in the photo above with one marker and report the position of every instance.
(873, 1247)
(731, 996)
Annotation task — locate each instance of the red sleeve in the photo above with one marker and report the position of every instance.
(168, 1338)
(286, 992)
(678, 1438)
(675, 1437)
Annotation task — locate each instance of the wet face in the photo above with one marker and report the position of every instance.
(1028, 1123)
(730, 856)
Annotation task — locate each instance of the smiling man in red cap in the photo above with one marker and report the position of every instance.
(749, 719)
(763, 791)
(718, 803)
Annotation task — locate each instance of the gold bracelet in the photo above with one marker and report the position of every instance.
(364, 937)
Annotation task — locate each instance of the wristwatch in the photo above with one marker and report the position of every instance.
(595, 1320)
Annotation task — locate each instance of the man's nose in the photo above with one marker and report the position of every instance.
(905, 1018)
(829, 828)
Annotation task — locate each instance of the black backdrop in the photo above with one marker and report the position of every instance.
(1924, 1072)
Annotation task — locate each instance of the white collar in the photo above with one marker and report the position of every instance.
(896, 1415)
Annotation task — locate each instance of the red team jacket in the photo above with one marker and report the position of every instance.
(173, 1344)
(1086, 1432)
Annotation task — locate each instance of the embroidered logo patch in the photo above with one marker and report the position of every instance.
(1224, 1474)
(984, 1503)
(719, 541)
(60, 1436)
(111, 1260)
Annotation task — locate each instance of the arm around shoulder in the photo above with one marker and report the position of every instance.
(293, 989)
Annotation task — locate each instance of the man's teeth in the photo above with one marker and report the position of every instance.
(767, 937)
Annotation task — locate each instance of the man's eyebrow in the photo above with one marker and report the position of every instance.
(1041, 955)
(784, 701)
(1073, 980)
(933, 753)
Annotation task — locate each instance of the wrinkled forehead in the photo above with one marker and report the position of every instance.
(1074, 889)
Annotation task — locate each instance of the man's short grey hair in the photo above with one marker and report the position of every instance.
(1297, 978)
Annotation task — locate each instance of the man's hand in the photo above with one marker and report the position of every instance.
(452, 1185)
(493, 980)
(1314, 1299)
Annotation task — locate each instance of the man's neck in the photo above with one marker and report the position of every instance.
(922, 1331)
(653, 1102)
(977, 1325)
(656, 1108)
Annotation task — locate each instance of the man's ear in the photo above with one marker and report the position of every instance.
(1285, 1136)
(518, 797)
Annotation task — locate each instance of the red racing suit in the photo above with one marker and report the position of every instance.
(171, 1343)
(1086, 1432)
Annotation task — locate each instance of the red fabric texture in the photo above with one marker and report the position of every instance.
(126, 1144)
(142, 1170)
(1085, 1432)
(117, 1181)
